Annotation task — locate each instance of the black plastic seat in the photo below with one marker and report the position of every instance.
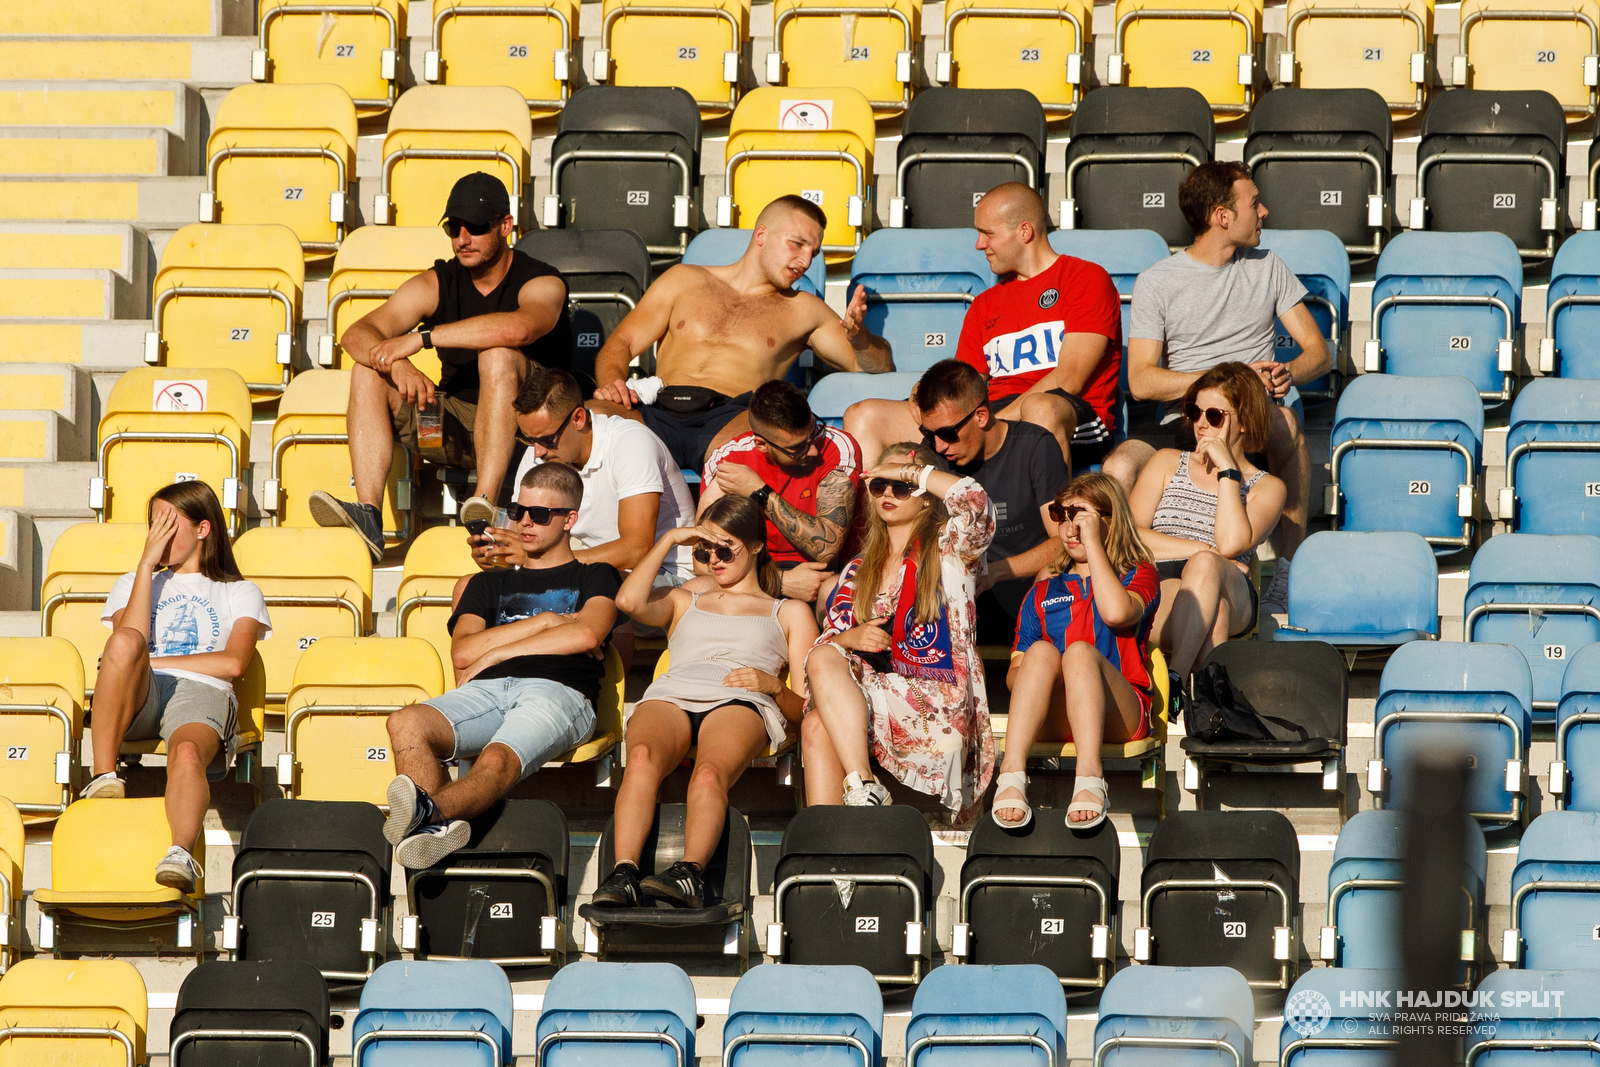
(607, 271)
(283, 1004)
(1130, 150)
(957, 144)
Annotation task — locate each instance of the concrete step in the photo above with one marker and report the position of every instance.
(87, 342)
(153, 203)
(200, 61)
(112, 246)
(49, 116)
(45, 412)
(16, 561)
(130, 151)
(56, 293)
(138, 18)
(19, 624)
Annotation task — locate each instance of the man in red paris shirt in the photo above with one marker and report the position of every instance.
(1048, 337)
(804, 475)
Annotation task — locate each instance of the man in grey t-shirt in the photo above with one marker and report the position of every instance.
(1216, 301)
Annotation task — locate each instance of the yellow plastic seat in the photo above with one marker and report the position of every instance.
(94, 884)
(1036, 45)
(229, 296)
(283, 154)
(434, 563)
(369, 267)
(322, 42)
(791, 731)
(867, 46)
(166, 425)
(608, 725)
(13, 839)
(817, 144)
(106, 998)
(85, 562)
(1530, 44)
(526, 44)
(344, 689)
(310, 451)
(1208, 45)
(695, 45)
(441, 133)
(41, 722)
(1381, 45)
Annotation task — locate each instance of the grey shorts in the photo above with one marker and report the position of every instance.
(173, 702)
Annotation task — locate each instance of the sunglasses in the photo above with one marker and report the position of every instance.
(901, 490)
(705, 550)
(948, 434)
(453, 227)
(794, 451)
(549, 440)
(1214, 416)
(540, 516)
(1059, 513)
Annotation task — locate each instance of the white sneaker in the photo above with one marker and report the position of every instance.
(178, 870)
(104, 787)
(476, 507)
(1275, 598)
(858, 794)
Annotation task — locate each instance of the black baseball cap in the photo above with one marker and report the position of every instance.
(478, 199)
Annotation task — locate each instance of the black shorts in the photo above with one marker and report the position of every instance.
(1092, 439)
(698, 717)
(1173, 568)
(688, 436)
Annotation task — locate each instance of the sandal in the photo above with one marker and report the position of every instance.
(1082, 784)
(1017, 780)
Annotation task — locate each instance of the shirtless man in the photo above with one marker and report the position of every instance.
(725, 330)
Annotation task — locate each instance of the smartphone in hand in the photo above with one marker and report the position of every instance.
(477, 527)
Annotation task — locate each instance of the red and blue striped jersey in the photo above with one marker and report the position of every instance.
(1061, 610)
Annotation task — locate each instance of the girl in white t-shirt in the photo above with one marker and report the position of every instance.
(184, 625)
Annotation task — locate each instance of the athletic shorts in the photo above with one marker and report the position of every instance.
(534, 717)
(687, 437)
(456, 420)
(173, 702)
(1092, 439)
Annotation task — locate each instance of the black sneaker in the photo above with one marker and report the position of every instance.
(364, 519)
(620, 890)
(410, 809)
(683, 885)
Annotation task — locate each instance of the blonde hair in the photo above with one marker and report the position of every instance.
(924, 541)
(1104, 493)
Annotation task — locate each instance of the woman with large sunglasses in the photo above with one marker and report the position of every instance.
(730, 635)
(896, 676)
(1204, 537)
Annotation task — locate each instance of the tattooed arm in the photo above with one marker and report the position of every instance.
(818, 537)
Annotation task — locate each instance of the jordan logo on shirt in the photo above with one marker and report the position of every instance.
(1032, 349)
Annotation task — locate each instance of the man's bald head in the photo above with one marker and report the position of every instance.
(785, 207)
(1014, 204)
(1013, 230)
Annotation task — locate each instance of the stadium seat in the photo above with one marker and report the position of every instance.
(345, 688)
(1183, 918)
(429, 1011)
(1045, 894)
(1494, 160)
(869, 47)
(283, 155)
(835, 392)
(317, 583)
(1046, 37)
(1129, 151)
(606, 272)
(1177, 1016)
(1351, 1034)
(311, 883)
(1405, 457)
(161, 426)
(627, 158)
(369, 267)
(956, 145)
(116, 887)
(313, 42)
(695, 45)
(1321, 160)
(886, 924)
(436, 560)
(86, 1013)
(1552, 482)
(601, 747)
(1569, 346)
(41, 718)
(1323, 267)
(439, 134)
(919, 285)
(1451, 698)
(1537, 1013)
(502, 898)
(1522, 45)
(619, 1014)
(1209, 45)
(825, 1016)
(13, 839)
(719, 248)
(85, 562)
(264, 1014)
(819, 148)
(1575, 774)
(1430, 317)
(1554, 888)
(526, 44)
(1381, 45)
(965, 1015)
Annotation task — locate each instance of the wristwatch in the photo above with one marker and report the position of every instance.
(427, 336)
(1232, 475)
(759, 497)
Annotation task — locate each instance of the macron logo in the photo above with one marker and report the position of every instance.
(1067, 599)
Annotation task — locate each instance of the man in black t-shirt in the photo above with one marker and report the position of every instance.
(487, 314)
(525, 643)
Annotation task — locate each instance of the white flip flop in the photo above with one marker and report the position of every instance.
(1017, 780)
(1084, 784)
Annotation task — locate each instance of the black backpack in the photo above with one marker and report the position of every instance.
(1217, 713)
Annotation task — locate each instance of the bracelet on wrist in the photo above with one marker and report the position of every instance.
(922, 478)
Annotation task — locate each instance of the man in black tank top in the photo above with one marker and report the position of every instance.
(488, 315)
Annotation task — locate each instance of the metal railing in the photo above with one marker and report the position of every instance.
(490, 9)
(790, 13)
(738, 1041)
(962, 157)
(1425, 164)
(964, 910)
(1452, 300)
(1167, 885)
(261, 152)
(1344, 448)
(1191, 14)
(285, 874)
(267, 17)
(1414, 106)
(859, 879)
(1306, 156)
(166, 296)
(806, 154)
(1509, 608)
(479, 873)
(189, 1037)
(1454, 718)
(735, 45)
(685, 183)
(990, 11)
(1472, 18)
(66, 729)
(633, 1036)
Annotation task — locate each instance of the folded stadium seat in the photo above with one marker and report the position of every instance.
(162, 425)
(13, 839)
(1045, 894)
(41, 718)
(1381, 45)
(526, 44)
(368, 268)
(1448, 303)
(1554, 888)
(1242, 915)
(956, 145)
(311, 883)
(1552, 482)
(835, 392)
(1178, 1016)
(627, 158)
(85, 562)
(263, 1014)
(721, 248)
(868, 47)
(283, 154)
(835, 1014)
(1521, 44)
(1494, 160)
(336, 746)
(439, 134)
(317, 583)
(1572, 302)
(819, 147)
(619, 1014)
(601, 748)
(79, 1012)
(436, 560)
(694, 45)
(430, 1011)
(1350, 1034)
(94, 885)
(1209, 45)
(1130, 150)
(960, 1015)
(606, 272)
(314, 42)
(1033, 46)
(502, 898)
(1575, 773)
(1321, 262)
(854, 885)
(1554, 1014)
(919, 285)
(1397, 602)
(1453, 698)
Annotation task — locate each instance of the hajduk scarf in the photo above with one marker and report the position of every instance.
(919, 649)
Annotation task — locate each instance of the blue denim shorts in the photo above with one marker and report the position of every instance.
(534, 717)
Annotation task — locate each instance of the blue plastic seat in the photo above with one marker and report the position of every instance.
(837, 391)
(1356, 589)
(718, 248)
(824, 1016)
(975, 1015)
(425, 1000)
(1555, 891)
(1553, 458)
(1318, 258)
(1442, 303)
(1534, 1008)
(1406, 453)
(1348, 1035)
(645, 1010)
(1155, 1016)
(1571, 345)
(1444, 697)
(1575, 774)
(919, 285)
